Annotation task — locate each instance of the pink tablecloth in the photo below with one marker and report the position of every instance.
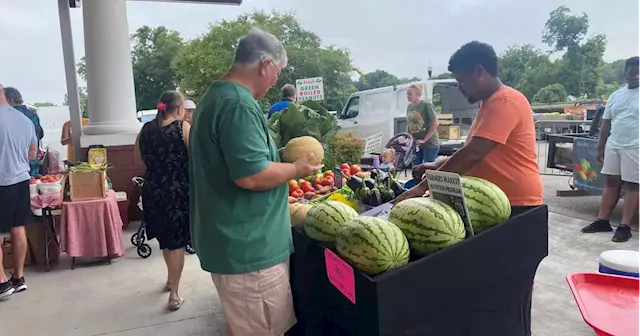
(52, 201)
(92, 229)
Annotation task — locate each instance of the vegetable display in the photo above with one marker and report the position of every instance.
(325, 219)
(488, 205)
(377, 189)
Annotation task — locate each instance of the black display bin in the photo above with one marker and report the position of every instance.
(480, 287)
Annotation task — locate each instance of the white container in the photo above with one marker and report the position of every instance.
(37, 212)
(121, 196)
(33, 190)
(49, 188)
(619, 262)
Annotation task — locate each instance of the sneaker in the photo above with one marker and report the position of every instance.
(600, 225)
(623, 233)
(6, 289)
(18, 284)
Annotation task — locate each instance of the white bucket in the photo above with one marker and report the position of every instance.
(619, 262)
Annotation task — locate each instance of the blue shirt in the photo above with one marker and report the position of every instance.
(622, 110)
(17, 134)
(279, 106)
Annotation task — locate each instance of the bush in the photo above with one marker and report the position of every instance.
(551, 94)
(346, 148)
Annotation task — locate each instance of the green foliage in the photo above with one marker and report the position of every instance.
(44, 104)
(564, 30)
(381, 78)
(84, 101)
(309, 119)
(208, 57)
(444, 75)
(153, 50)
(551, 94)
(346, 147)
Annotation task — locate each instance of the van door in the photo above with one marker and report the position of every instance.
(349, 114)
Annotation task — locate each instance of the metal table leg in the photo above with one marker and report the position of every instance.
(45, 218)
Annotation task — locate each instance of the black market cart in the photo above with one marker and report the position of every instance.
(481, 286)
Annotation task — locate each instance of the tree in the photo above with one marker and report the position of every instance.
(153, 51)
(564, 30)
(208, 57)
(551, 94)
(84, 103)
(444, 75)
(44, 104)
(516, 61)
(381, 78)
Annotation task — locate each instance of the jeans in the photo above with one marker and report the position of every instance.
(428, 154)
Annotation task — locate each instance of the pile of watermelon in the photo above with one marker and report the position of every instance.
(420, 225)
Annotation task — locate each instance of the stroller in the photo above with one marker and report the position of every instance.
(138, 239)
(405, 148)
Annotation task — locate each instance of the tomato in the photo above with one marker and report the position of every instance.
(307, 187)
(328, 181)
(301, 181)
(346, 173)
(293, 188)
(328, 173)
(355, 169)
(297, 193)
(344, 166)
(33, 181)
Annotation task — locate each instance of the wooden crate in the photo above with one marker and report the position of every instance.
(449, 132)
(445, 119)
(87, 185)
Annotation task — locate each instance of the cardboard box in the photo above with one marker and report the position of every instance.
(480, 286)
(449, 132)
(445, 119)
(7, 262)
(35, 236)
(87, 185)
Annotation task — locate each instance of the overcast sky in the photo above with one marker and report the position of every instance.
(401, 37)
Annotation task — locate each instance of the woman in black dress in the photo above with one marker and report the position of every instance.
(162, 146)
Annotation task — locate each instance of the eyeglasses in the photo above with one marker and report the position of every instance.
(278, 70)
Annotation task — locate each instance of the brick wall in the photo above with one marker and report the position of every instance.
(121, 169)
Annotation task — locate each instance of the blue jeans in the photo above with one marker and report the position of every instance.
(423, 155)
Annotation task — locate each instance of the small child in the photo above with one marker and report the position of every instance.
(387, 158)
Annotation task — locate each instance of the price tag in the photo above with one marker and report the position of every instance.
(340, 275)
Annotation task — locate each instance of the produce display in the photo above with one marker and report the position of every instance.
(302, 146)
(488, 205)
(52, 178)
(430, 225)
(377, 189)
(312, 187)
(298, 213)
(323, 220)
(373, 245)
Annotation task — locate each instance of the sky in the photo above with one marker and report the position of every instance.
(400, 37)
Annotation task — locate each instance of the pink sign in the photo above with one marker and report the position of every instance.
(340, 275)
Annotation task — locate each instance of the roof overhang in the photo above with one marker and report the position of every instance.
(209, 2)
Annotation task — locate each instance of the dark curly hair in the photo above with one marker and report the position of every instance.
(472, 54)
(632, 62)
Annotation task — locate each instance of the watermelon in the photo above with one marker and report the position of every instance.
(488, 205)
(372, 245)
(429, 224)
(324, 219)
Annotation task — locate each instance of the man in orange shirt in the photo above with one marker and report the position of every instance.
(501, 146)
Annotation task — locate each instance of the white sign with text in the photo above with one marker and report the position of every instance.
(446, 187)
(309, 89)
(373, 143)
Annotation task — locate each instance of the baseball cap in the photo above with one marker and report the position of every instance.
(189, 104)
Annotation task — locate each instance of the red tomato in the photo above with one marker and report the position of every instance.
(355, 169)
(307, 187)
(292, 188)
(327, 181)
(328, 173)
(344, 166)
(297, 193)
(346, 172)
(33, 181)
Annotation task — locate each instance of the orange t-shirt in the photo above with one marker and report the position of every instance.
(505, 118)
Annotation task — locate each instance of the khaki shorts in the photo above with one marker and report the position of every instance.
(257, 303)
(621, 162)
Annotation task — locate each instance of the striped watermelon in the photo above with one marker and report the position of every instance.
(488, 205)
(324, 219)
(429, 224)
(373, 245)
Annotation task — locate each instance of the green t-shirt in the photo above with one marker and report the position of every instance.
(419, 118)
(234, 230)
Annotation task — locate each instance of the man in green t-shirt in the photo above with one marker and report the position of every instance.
(240, 222)
(422, 124)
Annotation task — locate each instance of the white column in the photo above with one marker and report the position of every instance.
(111, 94)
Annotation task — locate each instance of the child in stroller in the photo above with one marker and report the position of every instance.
(138, 239)
(403, 147)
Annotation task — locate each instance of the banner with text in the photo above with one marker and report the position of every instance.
(309, 89)
(446, 187)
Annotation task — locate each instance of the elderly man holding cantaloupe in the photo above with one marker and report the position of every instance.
(241, 227)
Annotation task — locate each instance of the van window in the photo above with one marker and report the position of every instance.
(379, 103)
(352, 109)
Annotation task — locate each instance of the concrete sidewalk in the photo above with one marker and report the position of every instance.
(126, 298)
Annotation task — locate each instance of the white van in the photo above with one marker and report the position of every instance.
(378, 114)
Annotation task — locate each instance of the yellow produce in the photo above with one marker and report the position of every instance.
(298, 212)
(301, 146)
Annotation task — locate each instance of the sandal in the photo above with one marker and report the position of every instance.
(175, 303)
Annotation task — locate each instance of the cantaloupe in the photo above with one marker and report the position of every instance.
(297, 148)
(298, 213)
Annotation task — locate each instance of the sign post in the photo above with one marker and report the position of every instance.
(309, 89)
(446, 187)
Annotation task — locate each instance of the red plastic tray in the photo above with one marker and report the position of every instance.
(608, 303)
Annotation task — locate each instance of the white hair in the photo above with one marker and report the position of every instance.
(257, 46)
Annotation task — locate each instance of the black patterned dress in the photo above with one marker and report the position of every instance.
(165, 194)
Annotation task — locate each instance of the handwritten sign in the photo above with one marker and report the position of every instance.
(309, 89)
(340, 275)
(446, 187)
(373, 143)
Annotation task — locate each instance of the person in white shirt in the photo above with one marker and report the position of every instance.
(618, 150)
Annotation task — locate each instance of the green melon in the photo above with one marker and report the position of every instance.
(324, 219)
(488, 205)
(430, 225)
(372, 245)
